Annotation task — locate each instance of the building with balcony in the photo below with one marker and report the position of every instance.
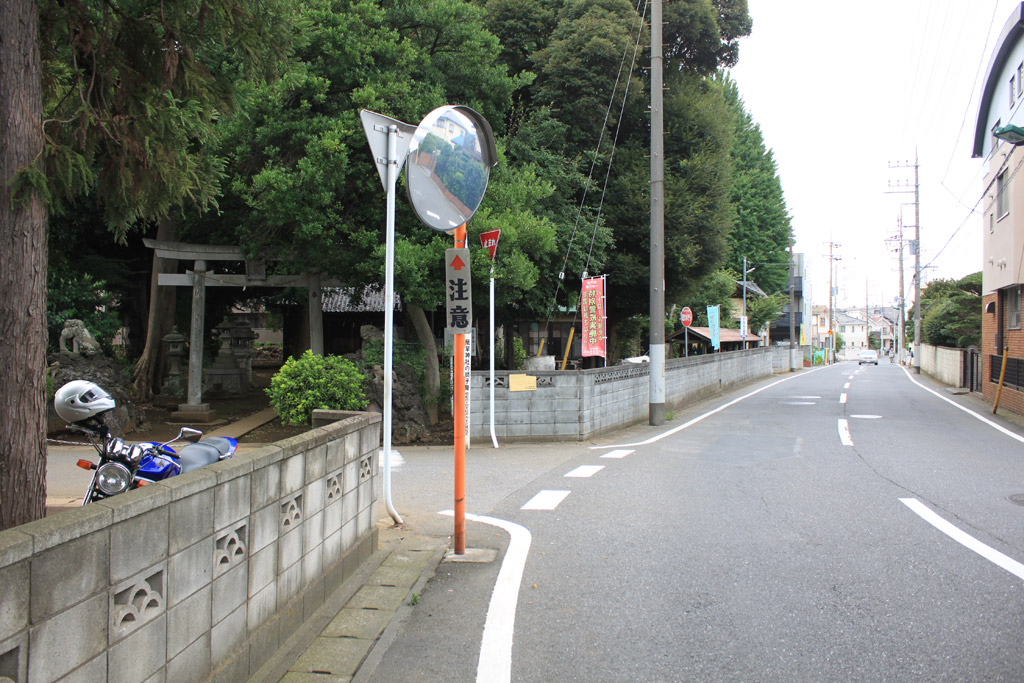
(998, 132)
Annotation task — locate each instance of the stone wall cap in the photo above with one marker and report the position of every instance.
(232, 468)
(134, 503)
(65, 526)
(14, 547)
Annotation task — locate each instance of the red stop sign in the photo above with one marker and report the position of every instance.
(686, 315)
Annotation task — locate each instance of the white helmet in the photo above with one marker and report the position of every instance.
(80, 399)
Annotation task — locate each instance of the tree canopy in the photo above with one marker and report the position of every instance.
(951, 312)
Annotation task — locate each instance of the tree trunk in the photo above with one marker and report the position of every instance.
(432, 371)
(23, 235)
(160, 320)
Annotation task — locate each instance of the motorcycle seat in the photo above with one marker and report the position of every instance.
(206, 452)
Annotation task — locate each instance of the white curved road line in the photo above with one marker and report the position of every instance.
(659, 437)
(495, 663)
(965, 539)
(990, 423)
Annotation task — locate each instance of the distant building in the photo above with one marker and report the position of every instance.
(854, 333)
(998, 131)
(779, 332)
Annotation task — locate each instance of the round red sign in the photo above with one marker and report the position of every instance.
(686, 315)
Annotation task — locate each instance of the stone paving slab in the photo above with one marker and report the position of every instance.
(370, 614)
(386, 598)
(358, 623)
(336, 656)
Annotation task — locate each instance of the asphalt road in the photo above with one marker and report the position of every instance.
(763, 541)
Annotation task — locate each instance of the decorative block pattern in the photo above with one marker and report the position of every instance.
(136, 604)
(230, 550)
(291, 513)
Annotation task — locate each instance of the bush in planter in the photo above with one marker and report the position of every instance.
(313, 382)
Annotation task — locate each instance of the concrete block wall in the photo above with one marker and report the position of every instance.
(944, 364)
(199, 577)
(577, 405)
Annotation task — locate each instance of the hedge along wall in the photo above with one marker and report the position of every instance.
(577, 405)
(201, 576)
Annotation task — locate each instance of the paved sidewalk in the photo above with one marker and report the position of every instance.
(356, 625)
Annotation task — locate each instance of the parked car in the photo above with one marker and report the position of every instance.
(869, 356)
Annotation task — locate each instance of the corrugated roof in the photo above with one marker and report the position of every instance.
(724, 334)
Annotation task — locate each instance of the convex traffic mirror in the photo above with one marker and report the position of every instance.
(449, 162)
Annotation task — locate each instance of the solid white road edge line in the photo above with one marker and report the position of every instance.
(965, 539)
(659, 437)
(844, 432)
(990, 423)
(495, 663)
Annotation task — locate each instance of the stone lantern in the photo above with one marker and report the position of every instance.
(241, 336)
(174, 383)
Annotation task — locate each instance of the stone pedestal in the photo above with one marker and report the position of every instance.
(194, 413)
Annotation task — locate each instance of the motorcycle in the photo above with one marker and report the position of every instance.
(125, 466)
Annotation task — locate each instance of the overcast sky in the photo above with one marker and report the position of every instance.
(845, 91)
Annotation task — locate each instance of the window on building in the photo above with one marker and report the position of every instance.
(1002, 196)
(995, 141)
(1013, 308)
(1013, 90)
(1020, 79)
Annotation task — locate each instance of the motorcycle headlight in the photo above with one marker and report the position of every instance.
(113, 478)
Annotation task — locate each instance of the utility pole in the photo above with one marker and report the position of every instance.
(656, 401)
(831, 291)
(900, 332)
(917, 254)
(792, 308)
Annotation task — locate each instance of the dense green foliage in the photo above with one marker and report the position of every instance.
(133, 93)
(274, 143)
(761, 231)
(715, 290)
(950, 312)
(80, 297)
(313, 382)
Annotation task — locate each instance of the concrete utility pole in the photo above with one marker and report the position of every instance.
(656, 407)
(792, 309)
(916, 189)
(903, 303)
(898, 340)
(917, 270)
(831, 291)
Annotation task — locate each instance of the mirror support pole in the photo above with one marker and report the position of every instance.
(389, 314)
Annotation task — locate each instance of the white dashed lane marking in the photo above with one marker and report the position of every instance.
(621, 453)
(844, 433)
(584, 471)
(546, 500)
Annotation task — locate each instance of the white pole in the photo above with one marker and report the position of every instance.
(494, 437)
(389, 314)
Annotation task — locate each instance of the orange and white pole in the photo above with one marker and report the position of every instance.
(459, 423)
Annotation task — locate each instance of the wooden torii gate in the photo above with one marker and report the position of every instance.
(199, 278)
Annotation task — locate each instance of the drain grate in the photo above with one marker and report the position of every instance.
(1017, 498)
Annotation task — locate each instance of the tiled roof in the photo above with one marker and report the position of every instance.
(348, 300)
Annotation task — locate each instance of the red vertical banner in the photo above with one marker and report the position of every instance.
(592, 314)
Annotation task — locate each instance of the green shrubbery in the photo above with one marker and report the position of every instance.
(314, 382)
